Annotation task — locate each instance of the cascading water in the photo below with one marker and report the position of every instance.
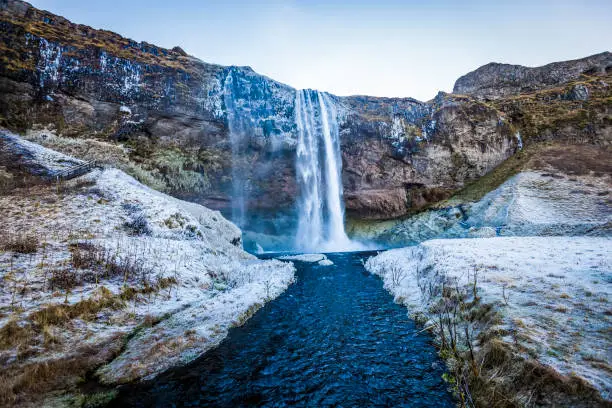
(239, 126)
(319, 169)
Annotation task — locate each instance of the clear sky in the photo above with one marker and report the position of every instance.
(381, 48)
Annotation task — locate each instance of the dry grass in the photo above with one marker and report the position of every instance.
(575, 160)
(477, 189)
(87, 309)
(494, 375)
(29, 382)
(21, 243)
(100, 261)
(13, 334)
(507, 380)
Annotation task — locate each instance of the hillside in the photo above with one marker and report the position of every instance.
(106, 278)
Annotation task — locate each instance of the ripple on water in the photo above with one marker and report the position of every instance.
(334, 338)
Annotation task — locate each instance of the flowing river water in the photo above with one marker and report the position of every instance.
(334, 338)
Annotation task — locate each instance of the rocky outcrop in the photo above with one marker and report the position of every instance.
(422, 158)
(194, 129)
(494, 80)
(559, 191)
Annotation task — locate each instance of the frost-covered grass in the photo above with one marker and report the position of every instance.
(164, 167)
(34, 157)
(545, 299)
(89, 261)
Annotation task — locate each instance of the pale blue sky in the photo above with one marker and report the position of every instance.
(382, 48)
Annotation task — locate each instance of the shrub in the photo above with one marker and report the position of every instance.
(65, 279)
(24, 244)
(138, 225)
(12, 334)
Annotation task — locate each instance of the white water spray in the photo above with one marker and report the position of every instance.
(319, 170)
(239, 126)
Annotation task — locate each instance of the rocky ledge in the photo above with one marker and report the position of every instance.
(494, 80)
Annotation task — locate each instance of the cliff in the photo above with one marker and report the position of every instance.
(177, 123)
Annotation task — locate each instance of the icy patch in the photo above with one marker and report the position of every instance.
(325, 262)
(519, 140)
(49, 63)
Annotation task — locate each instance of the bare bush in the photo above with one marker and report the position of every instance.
(22, 243)
(64, 278)
(138, 225)
(397, 275)
(104, 262)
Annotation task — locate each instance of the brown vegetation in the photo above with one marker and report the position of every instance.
(22, 243)
(33, 381)
(494, 374)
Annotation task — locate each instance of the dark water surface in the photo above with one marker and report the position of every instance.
(334, 338)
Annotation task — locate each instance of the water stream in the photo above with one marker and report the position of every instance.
(334, 338)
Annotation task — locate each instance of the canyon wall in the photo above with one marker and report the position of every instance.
(173, 114)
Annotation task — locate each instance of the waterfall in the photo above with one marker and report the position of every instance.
(319, 172)
(238, 126)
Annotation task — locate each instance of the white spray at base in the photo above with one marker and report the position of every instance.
(319, 170)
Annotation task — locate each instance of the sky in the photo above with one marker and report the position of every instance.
(348, 47)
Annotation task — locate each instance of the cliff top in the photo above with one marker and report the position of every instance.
(495, 80)
(19, 17)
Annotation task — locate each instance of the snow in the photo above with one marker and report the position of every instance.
(553, 292)
(217, 284)
(36, 158)
(519, 140)
(49, 63)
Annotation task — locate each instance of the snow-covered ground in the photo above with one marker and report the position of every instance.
(36, 158)
(181, 266)
(553, 293)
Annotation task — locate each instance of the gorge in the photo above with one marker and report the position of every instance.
(166, 219)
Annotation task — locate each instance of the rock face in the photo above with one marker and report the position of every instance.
(421, 155)
(493, 81)
(561, 191)
(201, 131)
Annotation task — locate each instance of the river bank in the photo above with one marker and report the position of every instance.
(521, 321)
(101, 273)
